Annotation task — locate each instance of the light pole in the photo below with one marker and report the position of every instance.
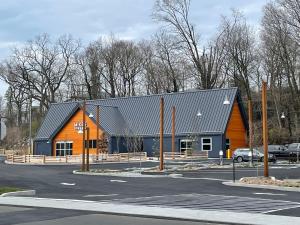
(30, 125)
(250, 131)
(265, 128)
(161, 137)
(85, 131)
(173, 131)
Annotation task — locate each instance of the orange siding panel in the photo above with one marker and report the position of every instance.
(236, 131)
(68, 133)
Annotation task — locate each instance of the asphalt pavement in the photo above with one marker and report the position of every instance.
(201, 189)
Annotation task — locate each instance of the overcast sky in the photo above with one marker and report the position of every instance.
(22, 20)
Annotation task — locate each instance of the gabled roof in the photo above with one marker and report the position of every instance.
(140, 115)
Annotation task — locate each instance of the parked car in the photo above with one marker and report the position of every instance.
(280, 151)
(283, 152)
(294, 147)
(242, 155)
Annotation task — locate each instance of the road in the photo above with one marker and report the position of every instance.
(197, 190)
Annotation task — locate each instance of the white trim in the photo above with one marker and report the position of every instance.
(206, 144)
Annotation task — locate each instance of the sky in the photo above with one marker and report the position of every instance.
(88, 20)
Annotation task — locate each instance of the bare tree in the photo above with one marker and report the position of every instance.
(175, 14)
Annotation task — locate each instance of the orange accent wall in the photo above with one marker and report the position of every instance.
(68, 133)
(236, 131)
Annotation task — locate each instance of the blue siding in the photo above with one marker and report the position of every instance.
(42, 148)
(114, 147)
(151, 144)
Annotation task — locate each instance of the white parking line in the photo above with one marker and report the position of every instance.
(108, 195)
(119, 181)
(280, 209)
(68, 184)
(258, 193)
(199, 178)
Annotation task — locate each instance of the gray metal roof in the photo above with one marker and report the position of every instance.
(140, 115)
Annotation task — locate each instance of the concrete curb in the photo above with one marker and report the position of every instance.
(128, 174)
(148, 211)
(19, 193)
(271, 187)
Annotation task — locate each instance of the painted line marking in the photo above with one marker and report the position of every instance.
(275, 210)
(108, 195)
(200, 178)
(258, 193)
(119, 181)
(68, 184)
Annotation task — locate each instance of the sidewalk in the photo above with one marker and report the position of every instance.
(158, 212)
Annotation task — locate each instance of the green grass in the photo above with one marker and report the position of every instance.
(8, 189)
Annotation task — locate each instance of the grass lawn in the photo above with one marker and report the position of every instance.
(8, 189)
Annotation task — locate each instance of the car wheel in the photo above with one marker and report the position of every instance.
(239, 159)
(261, 159)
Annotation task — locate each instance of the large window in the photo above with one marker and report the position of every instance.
(186, 145)
(64, 148)
(92, 143)
(206, 144)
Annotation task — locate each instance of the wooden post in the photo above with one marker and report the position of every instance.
(88, 149)
(97, 123)
(250, 114)
(161, 139)
(173, 131)
(44, 159)
(265, 128)
(83, 137)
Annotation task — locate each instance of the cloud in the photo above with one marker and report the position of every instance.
(90, 19)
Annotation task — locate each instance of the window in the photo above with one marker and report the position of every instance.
(64, 148)
(206, 144)
(227, 143)
(92, 144)
(186, 145)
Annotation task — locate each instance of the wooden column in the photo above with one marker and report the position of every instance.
(250, 114)
(173, 131)
(98, 125)
(88, 149)
(83, 136)
(161, 139)
(265, 128)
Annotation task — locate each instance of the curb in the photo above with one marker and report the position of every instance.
(213, 216)
(128, 174)
(271, 187)
(19, 193)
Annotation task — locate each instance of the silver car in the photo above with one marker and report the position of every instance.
(243, 155)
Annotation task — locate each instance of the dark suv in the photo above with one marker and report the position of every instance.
(282, 152)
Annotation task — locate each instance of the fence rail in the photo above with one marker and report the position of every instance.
(186, 155)
(75, 159)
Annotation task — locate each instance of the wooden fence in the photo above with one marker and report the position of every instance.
(186, 155)
(75, 159)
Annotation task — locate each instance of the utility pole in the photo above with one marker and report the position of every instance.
(265, 128)
(161, 140)
(250, 114)
(173, 131)
(83, 137)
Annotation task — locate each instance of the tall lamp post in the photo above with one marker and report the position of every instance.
(161, 138)
(85, 131)
(265, 128)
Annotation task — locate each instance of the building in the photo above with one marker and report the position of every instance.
(206, 120)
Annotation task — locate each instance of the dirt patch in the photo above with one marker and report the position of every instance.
(270, 181)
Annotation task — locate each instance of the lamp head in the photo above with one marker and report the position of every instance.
(226, 101)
